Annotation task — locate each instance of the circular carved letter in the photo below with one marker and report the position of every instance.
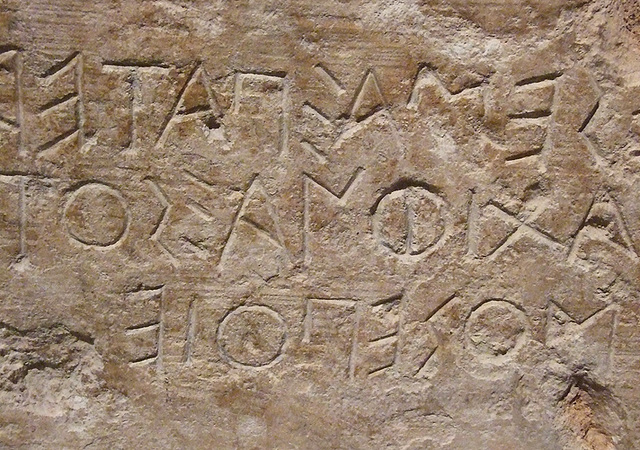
(496, 328)
(252, 336)
(409, 221)
(96, 215)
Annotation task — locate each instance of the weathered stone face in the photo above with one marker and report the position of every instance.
(346, 224)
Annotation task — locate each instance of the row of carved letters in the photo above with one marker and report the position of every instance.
(367, 99)
(369, 342)
(11, 61)
(363, 339)
(424, 231)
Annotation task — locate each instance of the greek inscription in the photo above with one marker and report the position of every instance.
(196, 101)
(134, 76)
(325, 131)
(64, 112)
(496, 328)
(264, 98)
(258, 213)
(603, 225)
(144, 326)
(331, 330)
(96, 215)
(12, 97)
(347, 224)
(503, 230)
(252, 337)
(409, 221)
(13, 216)
(378, 350)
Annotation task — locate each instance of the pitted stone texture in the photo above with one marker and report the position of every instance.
(345, 224)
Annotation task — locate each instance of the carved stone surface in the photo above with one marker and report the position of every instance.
(404, 224)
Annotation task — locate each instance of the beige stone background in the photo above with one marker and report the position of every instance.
(408, 224)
